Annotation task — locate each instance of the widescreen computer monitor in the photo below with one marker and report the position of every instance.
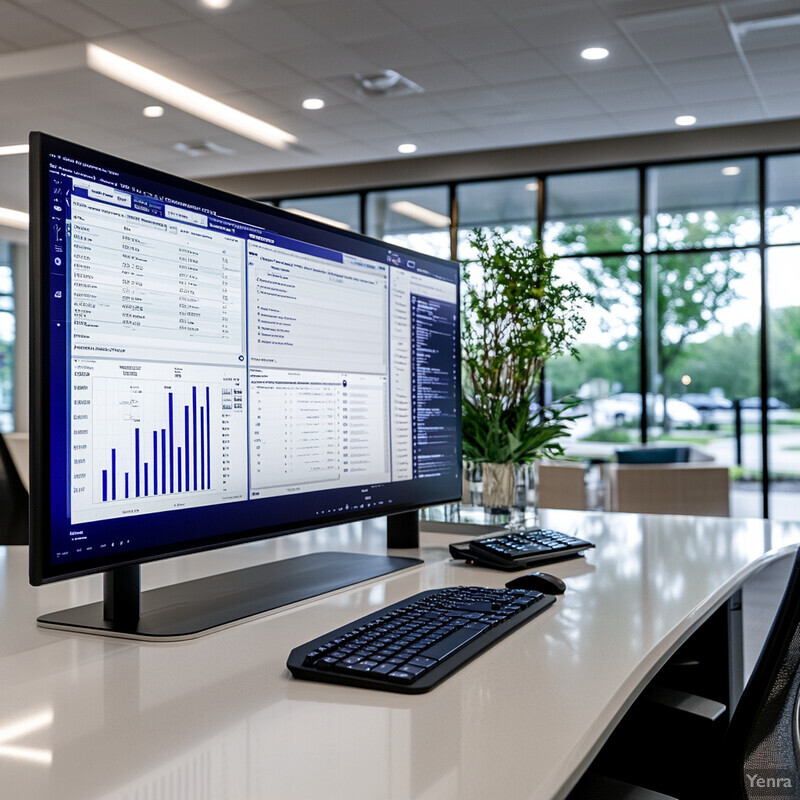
(208, 370)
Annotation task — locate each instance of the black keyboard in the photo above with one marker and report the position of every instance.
(519, 549)
(413, 645)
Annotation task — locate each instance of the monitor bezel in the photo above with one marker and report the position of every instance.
(42, 570)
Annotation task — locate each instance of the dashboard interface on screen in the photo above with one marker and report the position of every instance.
(217, 368)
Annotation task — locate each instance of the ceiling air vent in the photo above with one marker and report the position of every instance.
(386, 83)
(197, 149)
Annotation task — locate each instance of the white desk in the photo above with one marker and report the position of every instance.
(84, 718)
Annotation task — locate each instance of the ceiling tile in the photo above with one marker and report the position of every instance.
(429, 122)
(545, 90)
(464, 40)
(703, 92)
(194, 40)
(423, 14)
(325, 62)
(702, 69)
(785, 59)
(268, 30)
(676, 44)
(76, 17)
(349, 20)
(628, 79)
(253, 70)
(443, 76)
(784, 106)
(588, 26)
(25, 29)
(513, 9)
(614, 102)
(401, 50)
(139, 14)
(669, 17)
(518, 64)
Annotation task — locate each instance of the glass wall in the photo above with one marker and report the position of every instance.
(598, 213)
(511, 205)
(415, 218)
(6, 339)
(678, 346)
(783, 400)
(342, 211)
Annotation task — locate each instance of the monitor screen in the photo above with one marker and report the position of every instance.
(207, 369)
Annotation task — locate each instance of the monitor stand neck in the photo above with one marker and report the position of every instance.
(122, 597)
(402, 530)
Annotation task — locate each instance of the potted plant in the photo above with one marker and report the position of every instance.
(517, 314)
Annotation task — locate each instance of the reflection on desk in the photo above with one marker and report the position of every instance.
(220, 716)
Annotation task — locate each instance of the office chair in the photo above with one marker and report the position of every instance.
(763, 737)
(653, 455)
(760, 753)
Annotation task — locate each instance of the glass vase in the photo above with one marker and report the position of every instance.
(508, 494)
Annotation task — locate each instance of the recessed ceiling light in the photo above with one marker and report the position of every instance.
(313, 103)
(147, 81)
(407, 148)
(731, 171)
(216, 5)
(594, 53)
(153, 112)
(13, 149)
(685, 119)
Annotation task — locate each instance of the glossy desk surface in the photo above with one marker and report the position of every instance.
(220, 717)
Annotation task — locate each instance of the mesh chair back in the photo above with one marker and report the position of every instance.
(762, 742)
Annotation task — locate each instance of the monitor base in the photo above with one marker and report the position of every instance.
(194, 608)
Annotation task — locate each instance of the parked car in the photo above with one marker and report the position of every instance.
(707, 402)
(755, 402)
(626, 407)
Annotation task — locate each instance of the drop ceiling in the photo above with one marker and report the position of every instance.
(494, 74)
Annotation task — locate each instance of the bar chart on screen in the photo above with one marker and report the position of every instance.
(168, 447)
(158, 436)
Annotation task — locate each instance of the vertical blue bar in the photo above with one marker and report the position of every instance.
(180, 472)
(202, 448)
(105, 485)
(171, 448)
(208, 438)
(136, 460)
(186, 442)
(163, 461)
(155, 462)
(113, 473)
(194, 435)
(146, 465)
(127, 492)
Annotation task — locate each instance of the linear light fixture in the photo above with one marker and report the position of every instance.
(147, 81)
(14, 219)
(13, 149)
(421, 214)
(318, 217)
